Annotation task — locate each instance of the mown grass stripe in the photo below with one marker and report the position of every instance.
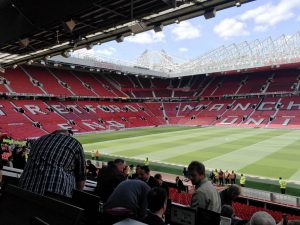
(284, 162)
(175, 141)
(198, 145)
(125, 134)
(221, 149)
(248, 155)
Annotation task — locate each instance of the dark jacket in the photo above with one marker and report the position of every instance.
(107, 181)
(134, 176)
(165, 187)
(152, 219)
(1, 163)
(225, 198)
(19, 160)
(180, 186)
(152, 182)
(130, 194)
(92, 170)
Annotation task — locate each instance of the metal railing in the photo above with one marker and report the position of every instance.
(271, 197)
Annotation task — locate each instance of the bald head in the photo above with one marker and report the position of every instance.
(262, 218)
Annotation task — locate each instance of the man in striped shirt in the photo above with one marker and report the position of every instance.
(56, 164)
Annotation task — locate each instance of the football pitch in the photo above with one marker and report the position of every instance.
(259, 152)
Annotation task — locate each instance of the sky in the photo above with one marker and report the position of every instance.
(192, 38)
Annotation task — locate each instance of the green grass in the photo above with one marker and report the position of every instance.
(268, 153)
(92, 138)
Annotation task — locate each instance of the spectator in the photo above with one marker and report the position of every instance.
(91, 169)
(130, 195)
(25, 151)
(56, 164)
(205, 196)
(109, 178)
(230, 194)
(262, 218)
(185, 175)
(136, 175)
(228, 211)
(110, 163)
(232, 177)
(157, 204)
(1, 163)
(161, 183)
(9, 161)
(131, 171)
(294, 222)
(126, 172)
(179, 184)
(19, 158)
(145, 176)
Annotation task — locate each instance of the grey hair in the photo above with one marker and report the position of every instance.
(262, 218)
(294, 222)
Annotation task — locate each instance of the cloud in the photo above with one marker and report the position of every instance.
(231, 28)
(183, 49)
(106, 51)
(109, 51)
(268, 15)
(261, 28)
(185, 30)
(148, 37)
(263, 17)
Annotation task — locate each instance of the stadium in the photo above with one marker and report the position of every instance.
(234, 108)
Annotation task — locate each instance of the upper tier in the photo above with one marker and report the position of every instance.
(58, 82)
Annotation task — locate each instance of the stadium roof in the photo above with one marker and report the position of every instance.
(34, 29)
(257, 55)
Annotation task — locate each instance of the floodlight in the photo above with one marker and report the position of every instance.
(158, 28)
(69, 25)
(238, 3)
(120, 39)
(137, 27)
(24, 42)
(66, 54)
(210, 13)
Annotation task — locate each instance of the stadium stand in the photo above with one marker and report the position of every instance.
(250, 102)
(242, 210)
(73, 83)
(41, 92)
(20, 82)
(244, 206)
(50, 83)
